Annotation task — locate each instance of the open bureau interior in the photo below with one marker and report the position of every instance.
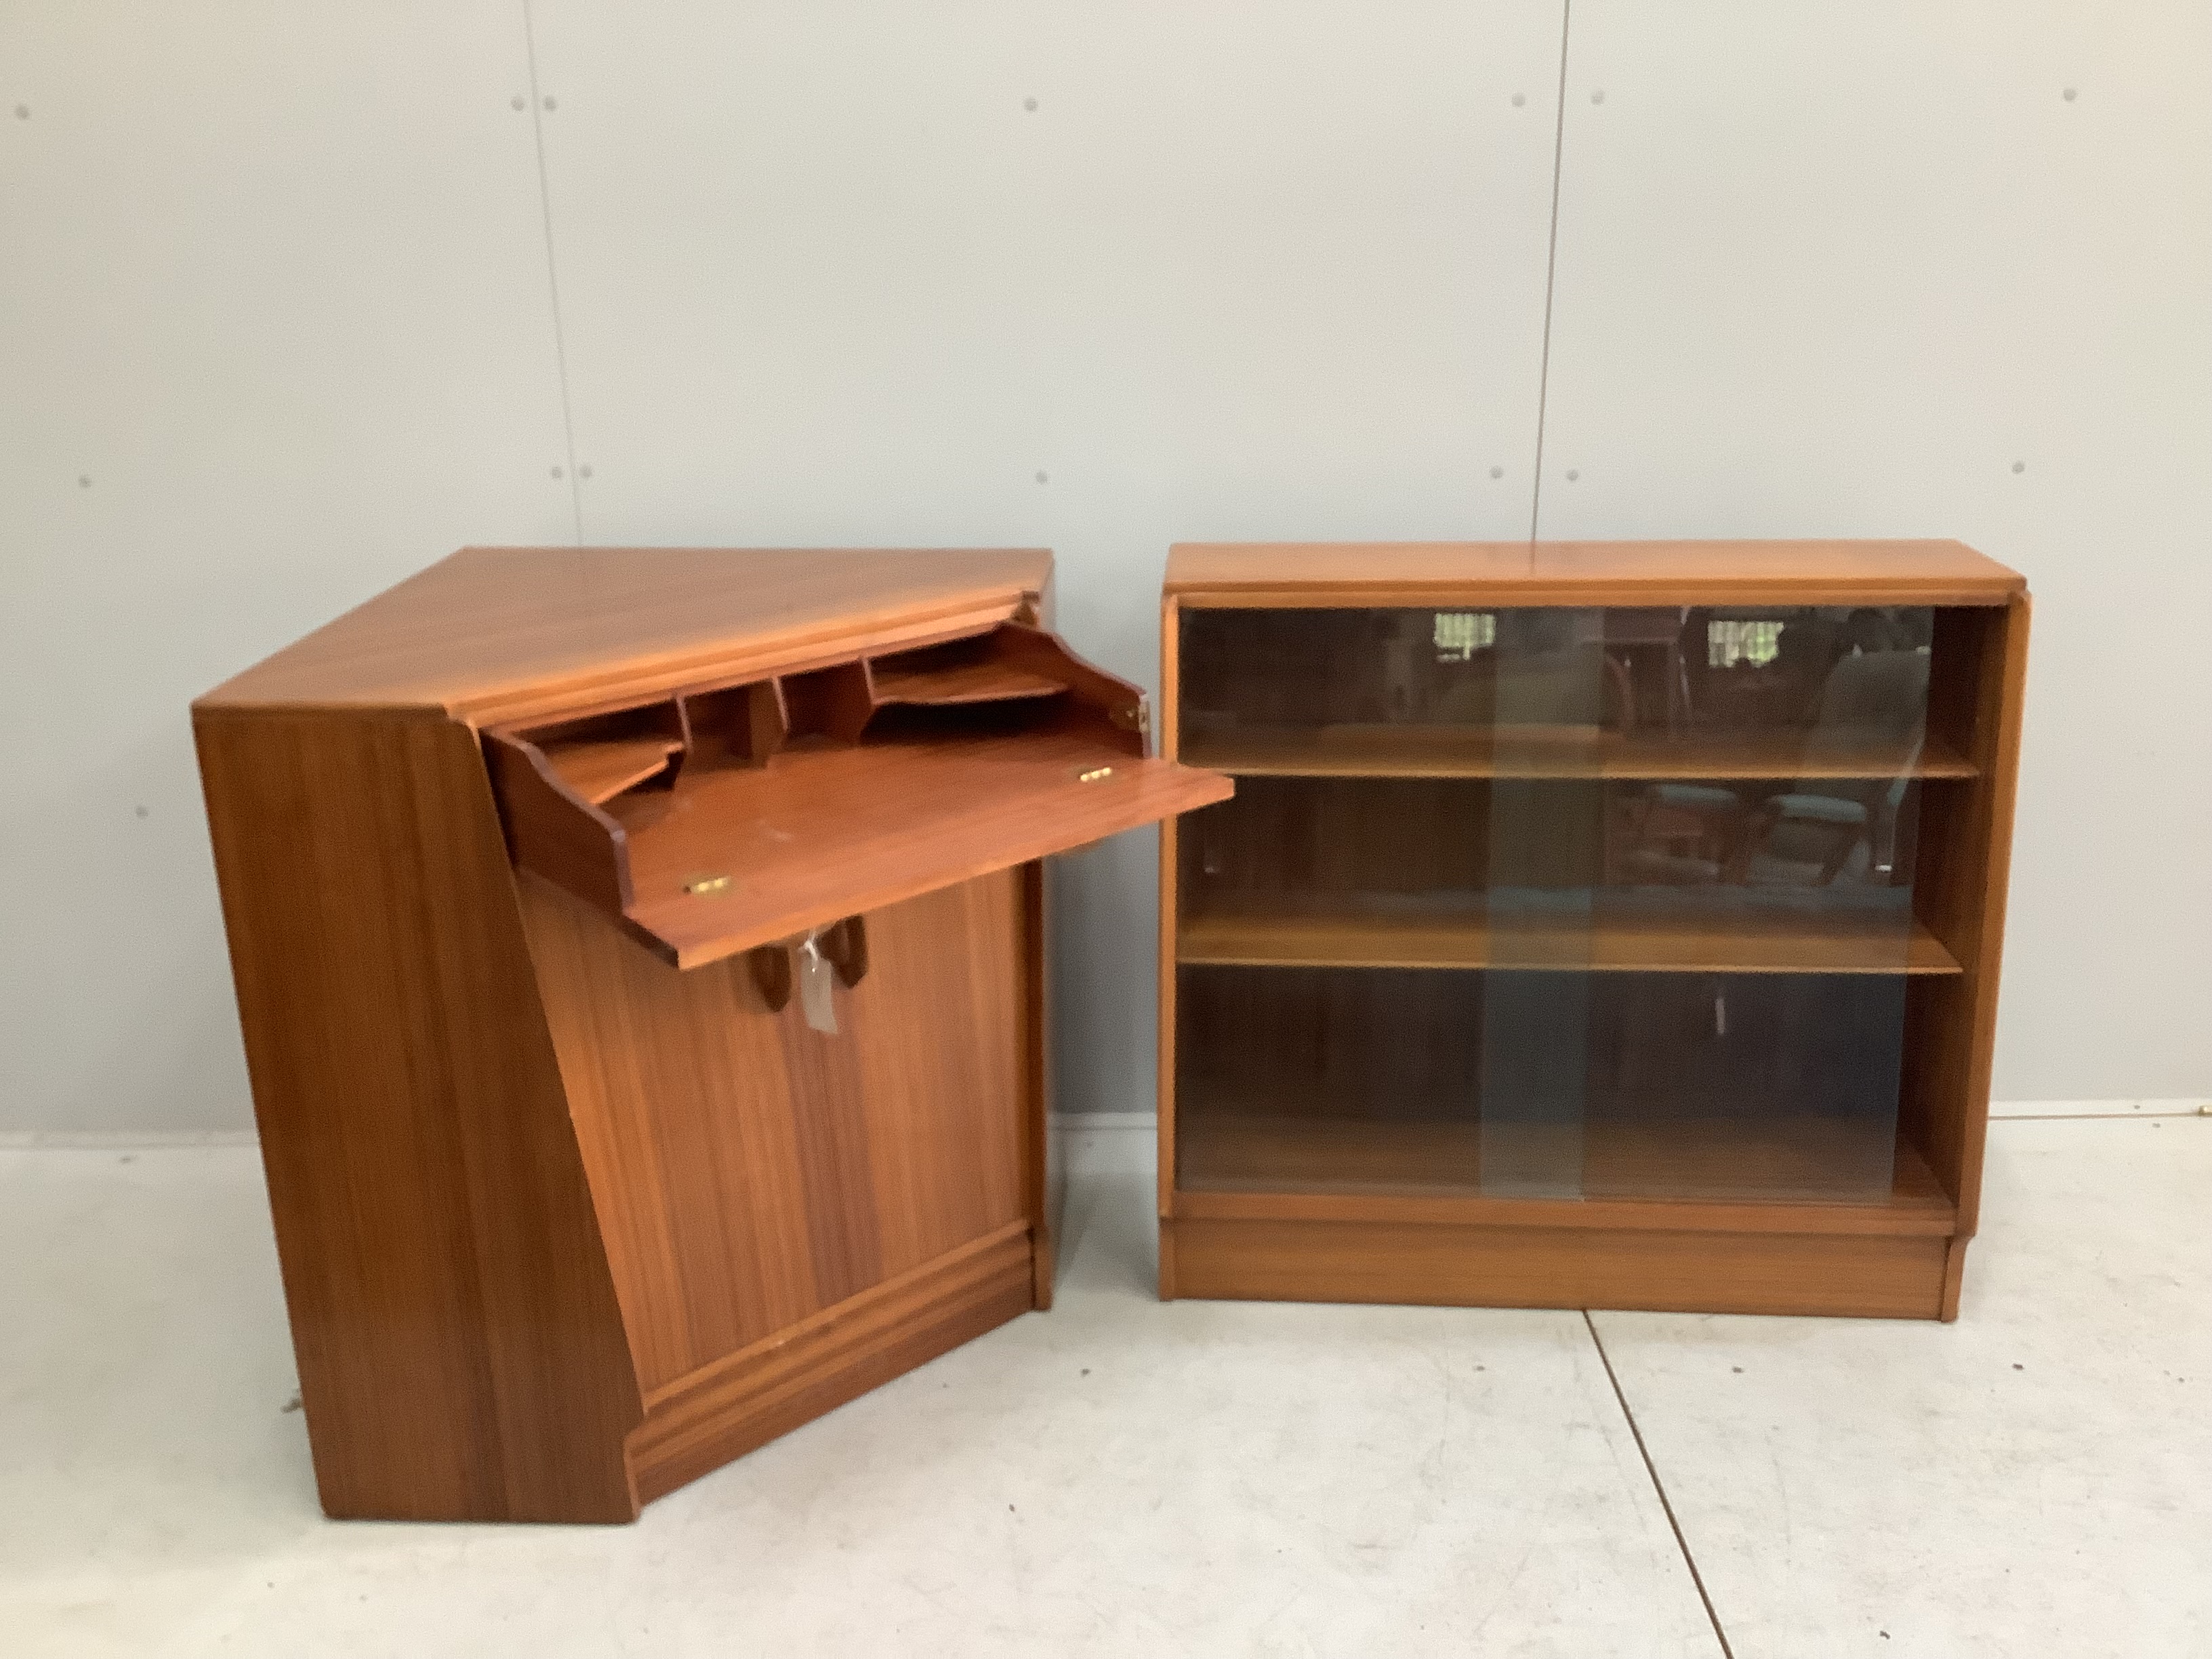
(725, 815)
(643, 963)
(1674, 915)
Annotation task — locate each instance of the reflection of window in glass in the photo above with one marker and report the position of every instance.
(1461, 634)
(1727, 643)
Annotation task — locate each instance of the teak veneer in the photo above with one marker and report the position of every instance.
(541, 872)
(1463, 996)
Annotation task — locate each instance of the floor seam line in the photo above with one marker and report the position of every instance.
(1651, 1470)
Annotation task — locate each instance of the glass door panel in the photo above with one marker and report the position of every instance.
(1345, 1080)
(1547, 862)
(1333, 922)
(1552, 902)
(1799, 1062)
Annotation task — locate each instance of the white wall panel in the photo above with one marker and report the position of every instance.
(1252, 269)
(274, 332)
(274, 279)
(1898, 269)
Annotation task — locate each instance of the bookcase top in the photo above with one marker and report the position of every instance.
(1642, 573)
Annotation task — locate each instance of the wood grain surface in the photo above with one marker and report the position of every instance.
(841, 789)
(459, 1344)
(1371, 1169)
(772, 1387)
(1873, 1277)
(753, 1171)
(831, 831)
(562, 1224)
(599, 771)
(503, 633)
(1170, 903)
(1044, 1170)
(1595, 940)
(1299, 1203)
(1960, 889)
(1651, 573)
(958, 673)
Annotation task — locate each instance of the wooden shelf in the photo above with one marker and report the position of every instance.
(1707, 1176)
(1482, 752)
(784, 805)
(1740, 941)
(960, 682)
(599, 770)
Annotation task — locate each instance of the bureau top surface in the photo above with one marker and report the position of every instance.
(1591, 573)
(491, 632)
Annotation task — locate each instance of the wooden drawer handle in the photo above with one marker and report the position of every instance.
(845, 945)
(771, 966)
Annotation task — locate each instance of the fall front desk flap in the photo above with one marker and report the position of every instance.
(773, 808)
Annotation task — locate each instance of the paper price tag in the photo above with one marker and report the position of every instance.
(817, 981)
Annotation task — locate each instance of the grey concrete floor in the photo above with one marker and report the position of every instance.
(1119, 1477)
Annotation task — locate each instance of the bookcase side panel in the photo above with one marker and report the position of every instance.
(1966, 842)
(1169, 721)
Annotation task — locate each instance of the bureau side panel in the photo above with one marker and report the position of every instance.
(459, 1344)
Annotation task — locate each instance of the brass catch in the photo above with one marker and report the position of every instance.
(706, 885)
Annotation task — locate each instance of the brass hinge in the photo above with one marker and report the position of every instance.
(1138, 719)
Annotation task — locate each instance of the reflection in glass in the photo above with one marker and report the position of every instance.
(1643, 876)
(1398, 1080)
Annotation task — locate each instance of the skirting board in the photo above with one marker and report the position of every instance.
(136, 1140)
(2047, 1109)
(122, 1140)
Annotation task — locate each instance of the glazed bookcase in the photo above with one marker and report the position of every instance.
(1609, 925)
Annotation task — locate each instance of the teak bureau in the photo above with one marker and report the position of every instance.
(1594, 924)
(639, 957)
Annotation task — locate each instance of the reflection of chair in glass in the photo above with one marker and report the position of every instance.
(1872, 714)
(1647, 674)
(1567, 693)
(1872, 711)
(1677, 834)
(1748, 674)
